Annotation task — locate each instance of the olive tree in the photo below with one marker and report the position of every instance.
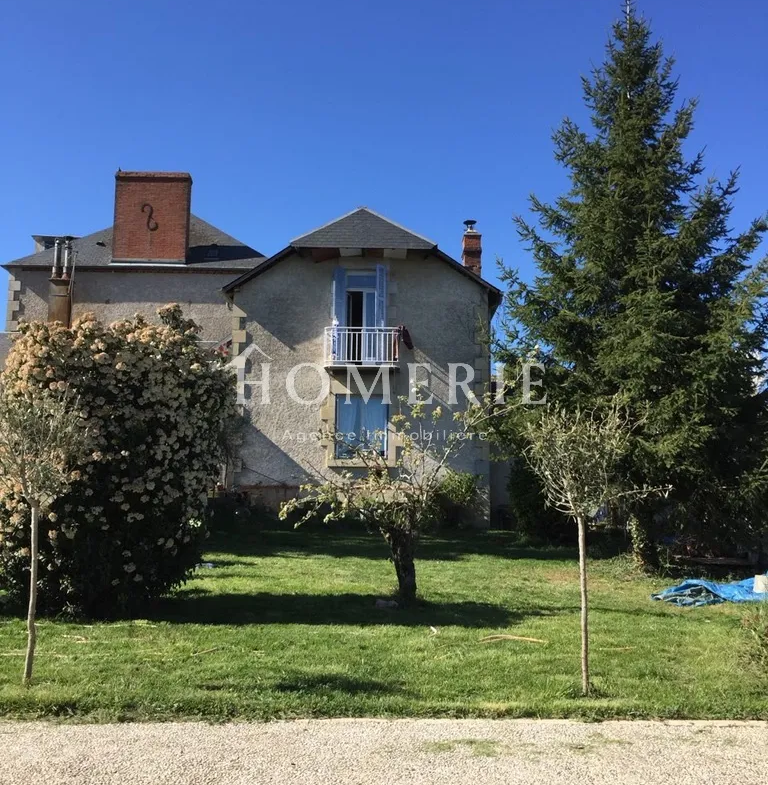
(577, 455)
(41, 436)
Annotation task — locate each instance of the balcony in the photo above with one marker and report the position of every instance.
(364, 346)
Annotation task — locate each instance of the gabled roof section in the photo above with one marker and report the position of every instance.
(363, 228)
(95, 250)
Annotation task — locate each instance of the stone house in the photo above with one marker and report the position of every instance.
(325, 335)
(338, 315)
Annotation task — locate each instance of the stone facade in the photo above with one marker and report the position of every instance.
(280, 318)
(119, 294)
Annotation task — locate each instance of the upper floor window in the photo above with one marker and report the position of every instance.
(358, 333)
(360, 297)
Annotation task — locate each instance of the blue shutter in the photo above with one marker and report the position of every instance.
(339, 295)
(381, 295)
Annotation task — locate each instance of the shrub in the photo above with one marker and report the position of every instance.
(455, 497)
(531, 517)
(156, 406)
(233, 512)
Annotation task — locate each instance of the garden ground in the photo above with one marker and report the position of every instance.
(284, 625)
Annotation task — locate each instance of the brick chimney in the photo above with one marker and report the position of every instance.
(471, 249)
(151, 216)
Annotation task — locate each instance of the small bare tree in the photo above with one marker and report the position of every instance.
(576, 455)
(39, 437)
(400, 501)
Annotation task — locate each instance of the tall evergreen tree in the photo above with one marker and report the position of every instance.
(643, 291)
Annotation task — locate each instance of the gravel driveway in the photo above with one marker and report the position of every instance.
(359, 752)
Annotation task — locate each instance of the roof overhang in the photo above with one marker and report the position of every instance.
(318, 255)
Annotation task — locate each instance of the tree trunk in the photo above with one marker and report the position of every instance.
(644, 547)
(584, 608)
(33, 561)
(401, 546)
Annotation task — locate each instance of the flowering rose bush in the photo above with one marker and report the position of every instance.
(157, 408)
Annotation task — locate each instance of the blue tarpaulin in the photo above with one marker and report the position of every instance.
(700, 592)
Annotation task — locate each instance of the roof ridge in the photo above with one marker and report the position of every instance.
(399, 226)
(370, 212)
(327, 224)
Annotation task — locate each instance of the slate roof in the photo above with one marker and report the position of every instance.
(95, 250)
(363, 228)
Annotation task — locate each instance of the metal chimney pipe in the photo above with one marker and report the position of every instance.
(60, 286)
(56, 259)
(67, 255)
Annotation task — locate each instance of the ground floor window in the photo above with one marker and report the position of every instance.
(360, 424)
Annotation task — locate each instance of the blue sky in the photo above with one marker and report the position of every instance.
(288, 114)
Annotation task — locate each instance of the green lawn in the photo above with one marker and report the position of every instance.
(285, 626)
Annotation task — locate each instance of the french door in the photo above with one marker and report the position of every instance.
(361, 313)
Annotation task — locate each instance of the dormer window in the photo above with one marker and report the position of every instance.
(212, 253)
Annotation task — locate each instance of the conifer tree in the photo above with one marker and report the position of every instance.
(643, 291)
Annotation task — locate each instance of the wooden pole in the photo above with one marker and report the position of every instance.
(584, 609)
(31, 629)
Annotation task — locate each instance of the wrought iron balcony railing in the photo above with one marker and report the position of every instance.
(361, 346)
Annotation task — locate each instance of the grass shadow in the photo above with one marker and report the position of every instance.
(335, 682)
(194, 607)
(343, 543)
